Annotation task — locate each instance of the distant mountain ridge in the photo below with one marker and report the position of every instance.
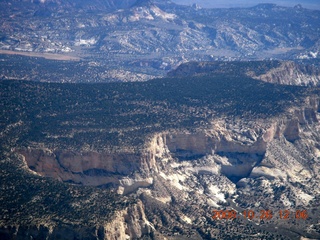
(311, 4)
(103, 4)
(149, 38)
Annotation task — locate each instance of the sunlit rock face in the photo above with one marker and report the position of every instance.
(276, 159)
(290, 73)
(239, 149)
(131, 222)
(278, 72)
(173, 180)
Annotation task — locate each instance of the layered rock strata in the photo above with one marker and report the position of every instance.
(239, 148)
(181, 176)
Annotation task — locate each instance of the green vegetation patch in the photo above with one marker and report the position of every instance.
(123, 114)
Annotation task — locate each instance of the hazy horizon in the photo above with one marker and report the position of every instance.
(311, 4)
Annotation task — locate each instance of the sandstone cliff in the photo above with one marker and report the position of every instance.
(222, 138)
(290, 73)
(206, 166)
(154, 159)
(279, 72)
(129, 223)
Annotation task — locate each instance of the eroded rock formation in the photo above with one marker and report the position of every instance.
(238, 148)
(180, 176)
(278, 72)
(290, 73)
(129, 223)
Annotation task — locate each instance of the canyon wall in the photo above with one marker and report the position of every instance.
(199, 169)
(290, 73)
(240, 147)
(278, 72)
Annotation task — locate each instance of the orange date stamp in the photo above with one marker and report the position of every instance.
(262, 214)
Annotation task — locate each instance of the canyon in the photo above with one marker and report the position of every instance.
(207, 166)
(153, 160)
(140, 119)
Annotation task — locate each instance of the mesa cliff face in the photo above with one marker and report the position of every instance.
(88, 168)
(290, 73)
(153, 160)
(278, 72)
(207, 167)
(224, 139)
